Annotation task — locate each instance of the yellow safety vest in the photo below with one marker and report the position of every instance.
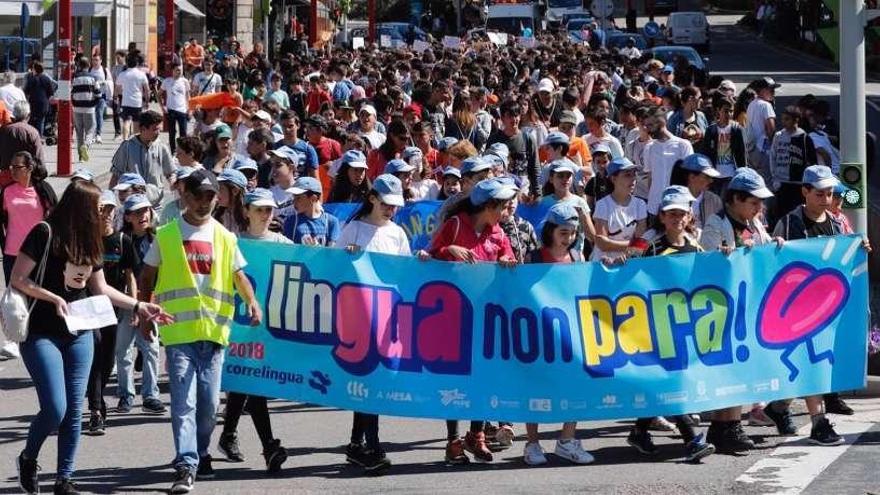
(199, 316)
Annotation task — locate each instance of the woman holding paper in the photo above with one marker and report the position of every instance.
(57, 359)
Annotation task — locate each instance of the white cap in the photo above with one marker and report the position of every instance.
(546, 85)
(262, 115)
(369, 109)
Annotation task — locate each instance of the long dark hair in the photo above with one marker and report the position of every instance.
(38, 170)
(344, 191)
(467, 206)
(236, 204)
(366, 207)
(76, 226)
(128, 228)
(387, 150)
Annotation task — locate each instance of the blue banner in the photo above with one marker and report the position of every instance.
(550, 343)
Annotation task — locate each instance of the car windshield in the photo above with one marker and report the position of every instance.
(513, 25)
(619, 41)
(668, 56)
(577, 24)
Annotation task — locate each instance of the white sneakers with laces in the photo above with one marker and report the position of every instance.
(533, 454)
(573, 451)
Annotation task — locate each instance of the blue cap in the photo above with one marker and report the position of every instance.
(390, 189)
(354, 159)
(668, 68)
(474, 164)
(557, 137)
(495, 188)
(621, 164)
(563, 213)
(411, 151)
(452, 171)
(234, 177)
(242, 163)
(107, 198)
(676, 198)
(397, 166)
(840, 189)
(84, 174)
(499, 149)
(820, 177)
(129, 179)
(600, 148)
(260, 197)
(698, 162)
(223, 131)
(561, 165)
(286, 153)
(135, 202)
(445, 143)
(183, 172)
(495, 160)
(747, 180)
(306, 184)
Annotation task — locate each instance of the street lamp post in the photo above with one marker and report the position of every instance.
(63, 93)
(853, 151)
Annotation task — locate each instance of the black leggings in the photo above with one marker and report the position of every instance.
(452, 428)
(685, 429)
(259, 411)
(365, 426)
(102, 367)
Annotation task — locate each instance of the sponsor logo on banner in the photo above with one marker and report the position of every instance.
(320, 381)
(358, 390)
(454, 398)
(540, 405)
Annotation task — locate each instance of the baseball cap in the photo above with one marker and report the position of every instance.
(354, 159)
(445, 143)
(262, 115)
(397, 166)
(223, 131)
(747, 180)
(260, 197)
(563, 214)
(370, 109)
(600, 148)
(411, 151)
(498, 149)
(128, 180)
(107, 198)
(495, 188)
(698, 162)
(820, 177)
(621, 164)
(84, 174)
(495, 160)
(676, 198)
(135, 202)
(242, 163)
(546, 85)
(452, 171)
(234, 177)
(568, 117)
(474, 164)
(840, 189)
(390, 189)
(556, 137)
(306, 184)
(562, 165)
(668, 68)
(286, 153)
(763, 83)
(201, 180)
(727, 85)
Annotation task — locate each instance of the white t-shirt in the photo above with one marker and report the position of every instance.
(176, 91)
(621, 220)
(388, 239)
(659, 157)
(608, 140)
(374, 138)
(203, 84)
(132, 82)
(425, 189)
(725, 164)
(758, 112)
(198, 244)
(822, 142)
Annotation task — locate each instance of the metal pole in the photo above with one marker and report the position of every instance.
(852, 103)
(63, 93)
(170, 35)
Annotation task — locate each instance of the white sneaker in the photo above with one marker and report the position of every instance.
(505, 435)
(573, 451)
(533, 454)
(9, 351)
(98, 139)
(659, 423)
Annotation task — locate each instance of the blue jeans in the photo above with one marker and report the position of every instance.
(194, 377)
(177, 122)
(59, 368)
(125, 335)
(100, 109)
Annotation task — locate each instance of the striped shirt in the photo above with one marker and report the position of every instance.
(85, 92)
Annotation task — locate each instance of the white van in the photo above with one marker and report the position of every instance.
(688, 28)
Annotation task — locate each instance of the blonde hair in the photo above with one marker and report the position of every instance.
(462, 150)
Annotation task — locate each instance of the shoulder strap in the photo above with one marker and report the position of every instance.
(41, 270)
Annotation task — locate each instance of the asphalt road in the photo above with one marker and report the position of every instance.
(133, 457)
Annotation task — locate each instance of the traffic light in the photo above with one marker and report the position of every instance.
(853, 175)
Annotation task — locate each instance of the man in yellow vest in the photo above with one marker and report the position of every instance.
(197, 263)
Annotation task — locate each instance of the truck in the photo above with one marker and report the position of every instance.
(513, 17)
(559, 11)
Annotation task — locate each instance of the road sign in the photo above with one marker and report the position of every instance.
(602, 8)
(652, 29)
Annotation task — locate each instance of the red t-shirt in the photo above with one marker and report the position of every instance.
(490, 245)
(328, 150)
(316, 99)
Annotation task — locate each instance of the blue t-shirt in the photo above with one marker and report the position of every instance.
(325, 229)
(308, 156)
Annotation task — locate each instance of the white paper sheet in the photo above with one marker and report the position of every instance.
(89, 314)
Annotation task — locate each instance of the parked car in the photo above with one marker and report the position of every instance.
(672, 54)
(618, 39)
(688, 28)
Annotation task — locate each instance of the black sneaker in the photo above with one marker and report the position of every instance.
(354, 454)
(153, 406)
(697, 449)
(641, 441)
(96, 424)
(229, 446)
(823, 434)
(729, 437)
(124, 405)
(206, 470)
(27, 474)
(183, 481)
(275, 456)
(783, 421)
(835, 405)
(65, 487)
(375, 461)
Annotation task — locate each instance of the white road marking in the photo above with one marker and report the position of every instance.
(795, 463)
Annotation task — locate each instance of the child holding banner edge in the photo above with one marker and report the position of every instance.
(470, 234)
(558, 236)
